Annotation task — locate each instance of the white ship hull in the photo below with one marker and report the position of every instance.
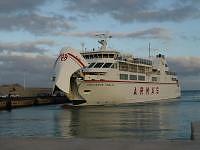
(118, 92)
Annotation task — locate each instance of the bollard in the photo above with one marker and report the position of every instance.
(8, 103)
(195, 131)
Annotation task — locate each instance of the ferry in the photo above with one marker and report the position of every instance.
(106, 77)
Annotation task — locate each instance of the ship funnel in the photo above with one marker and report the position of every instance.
(68, 62)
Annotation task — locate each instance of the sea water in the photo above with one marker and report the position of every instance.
(169, 119)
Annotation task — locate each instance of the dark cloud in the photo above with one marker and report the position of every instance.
(153, 33)
(37, 69)
(188, 70)
(34, 23)
(186, 66)
(138, 10)
(27, 46)
(9, 6)
(161, 15)
(105, 6)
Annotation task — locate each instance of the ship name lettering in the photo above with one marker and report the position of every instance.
(152, 90)
(135, 91)
(141, 90)
(157, 90)
(100, 84)
(146, 90)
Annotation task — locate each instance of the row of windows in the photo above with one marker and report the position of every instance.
(122, 67)
(133, 68)
(142, 61)
(99, 56)
(135, 77)
(132, 77)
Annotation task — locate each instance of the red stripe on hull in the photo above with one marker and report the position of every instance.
(78, 60)
(102, 81)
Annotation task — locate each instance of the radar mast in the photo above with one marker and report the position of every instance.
(103, 40)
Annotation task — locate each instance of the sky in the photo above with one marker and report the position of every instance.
(32, 32)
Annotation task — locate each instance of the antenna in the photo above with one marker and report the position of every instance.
(82, 46)
(149, 49)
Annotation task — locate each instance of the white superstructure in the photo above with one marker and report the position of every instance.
(106, 77)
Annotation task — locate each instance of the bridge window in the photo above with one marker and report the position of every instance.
(111, 55)
(86, 57)
(91, 65)
(105, 55)
(91, 56)
(98, 65)
(107, 65)
(123, 76)
(99, 55)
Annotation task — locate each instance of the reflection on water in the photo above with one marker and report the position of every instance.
(163, 120)
(135, 121)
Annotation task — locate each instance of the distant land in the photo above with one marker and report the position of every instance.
(19, 90)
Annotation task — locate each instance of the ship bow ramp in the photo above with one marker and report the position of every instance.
(68, 62)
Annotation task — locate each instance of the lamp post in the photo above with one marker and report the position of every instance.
(24, 80)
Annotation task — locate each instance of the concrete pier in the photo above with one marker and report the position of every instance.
(93, 144)
(9, 103)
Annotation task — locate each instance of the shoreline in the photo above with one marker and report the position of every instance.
(10, 103)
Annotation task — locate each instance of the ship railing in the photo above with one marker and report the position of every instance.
(170, 73)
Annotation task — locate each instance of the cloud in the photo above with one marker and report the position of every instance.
(37, 69)
(152, 33)
(27, 46)
(186, 66)
(193, 38)
(188, 70)
(138, 10)
(29, 58)
(9, 6)
(34, 23)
